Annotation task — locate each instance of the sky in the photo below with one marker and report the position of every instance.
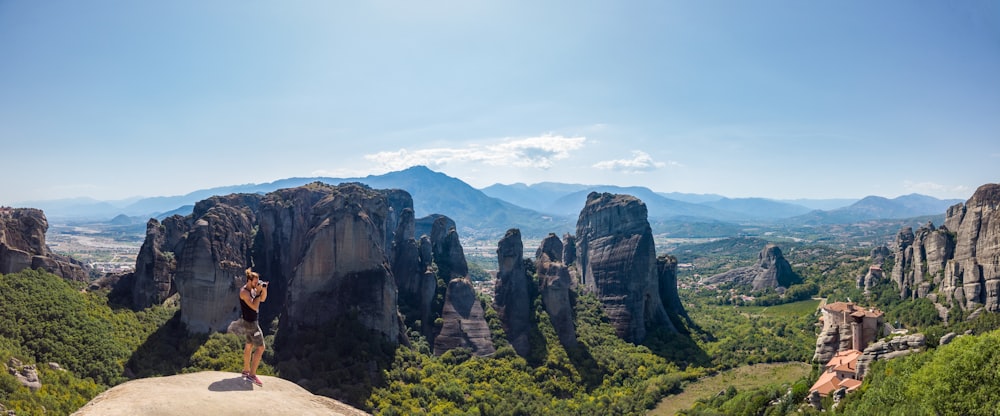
(777, 99)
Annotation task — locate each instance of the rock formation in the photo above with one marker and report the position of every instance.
(323, 249)
(463, 320)
(512, 299)
(464, 323)
(210, 263)
(666, 270)
(870, 279)
(555, 281)
(617, 262)
(25, 374)
(880, 254)
(154, 268)
(569, 249)
(552, 246)
(411, 265)
(889, 349)
(328, 243)
(447, 249)
(847, 326)
(22, 246)
(770, 272)
(958, 263)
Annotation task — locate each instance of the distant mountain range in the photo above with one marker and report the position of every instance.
(535, 209)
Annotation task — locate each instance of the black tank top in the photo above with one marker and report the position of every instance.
(248, 313)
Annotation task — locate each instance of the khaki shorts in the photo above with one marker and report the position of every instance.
(249, 330)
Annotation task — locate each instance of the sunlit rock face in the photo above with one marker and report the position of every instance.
(22, 246)
(211, 258)
(325, 250)
(771, 272)
(330, 258)
(463, 319)
(959, 262)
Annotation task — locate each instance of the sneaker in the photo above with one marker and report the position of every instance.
(246, 374)
(253, 378)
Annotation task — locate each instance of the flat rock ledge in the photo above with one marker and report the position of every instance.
(211, 393)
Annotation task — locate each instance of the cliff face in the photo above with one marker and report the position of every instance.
(323, 249)
(512, 299)
(22, 246)
(211, 259)
(154, 270)
(617, 262)
(337, 264)
(666, 270)
(463, 320)
(958, 263)
(556, 281)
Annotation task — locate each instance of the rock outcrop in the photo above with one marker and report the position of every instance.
(889, 349)
(25, 374)
(447, 249)
(154, 268)
(617, 262)
(555, 281)
(211, 393)
(666, 270)
(870, 279)
(880, 254)
(463, 319)
(552, 246)
(210, 259)
(411, 265)
(771, 272)
(322, 247)
(958, 263)
(512, 298)
(847, 326)
(333, 262)
(464, 323)
(22, 246)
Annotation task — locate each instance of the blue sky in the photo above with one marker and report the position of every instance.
(778, 99)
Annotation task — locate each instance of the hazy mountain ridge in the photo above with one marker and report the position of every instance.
(536, 209)
(879, 208)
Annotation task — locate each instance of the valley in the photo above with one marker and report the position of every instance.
(543, 322)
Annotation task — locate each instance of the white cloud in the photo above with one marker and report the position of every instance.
(640, 162)
(932, 188)
(540, 152)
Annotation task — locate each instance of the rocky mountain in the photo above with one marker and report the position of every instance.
(758, 208)
(538, 197)
(617, 262)
(22, 246)
(957, 264)
(770, 272)
(432, 192)
(876, 207)
(656, 205)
